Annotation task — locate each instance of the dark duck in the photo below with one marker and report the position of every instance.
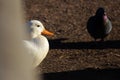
(99, 26)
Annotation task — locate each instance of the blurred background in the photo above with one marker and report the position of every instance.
(14, 63)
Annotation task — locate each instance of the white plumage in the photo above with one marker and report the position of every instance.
(38, 45)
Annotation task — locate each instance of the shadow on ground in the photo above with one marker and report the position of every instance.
(59, 44)
(87, 74)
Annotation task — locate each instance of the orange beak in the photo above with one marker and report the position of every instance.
(46, 32)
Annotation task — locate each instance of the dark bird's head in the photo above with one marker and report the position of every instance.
(101, 13)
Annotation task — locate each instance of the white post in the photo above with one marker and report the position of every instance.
(15, 64)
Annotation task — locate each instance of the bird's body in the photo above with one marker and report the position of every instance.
(99, 26)
(38, 45)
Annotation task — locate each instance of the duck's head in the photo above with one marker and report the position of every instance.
(36, 28)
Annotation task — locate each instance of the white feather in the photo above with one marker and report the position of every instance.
(38, 45)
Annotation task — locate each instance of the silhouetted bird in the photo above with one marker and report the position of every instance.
(99, 26)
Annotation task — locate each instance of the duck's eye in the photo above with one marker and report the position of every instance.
(38, 25)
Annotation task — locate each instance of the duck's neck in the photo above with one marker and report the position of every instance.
(41, 43)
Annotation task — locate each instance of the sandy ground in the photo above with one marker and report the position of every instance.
(72, 50)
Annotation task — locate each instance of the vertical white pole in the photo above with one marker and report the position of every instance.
(15, 64)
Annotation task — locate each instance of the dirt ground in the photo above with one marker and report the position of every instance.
(72, 48)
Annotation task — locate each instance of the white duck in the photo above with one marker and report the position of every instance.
(38, 45)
